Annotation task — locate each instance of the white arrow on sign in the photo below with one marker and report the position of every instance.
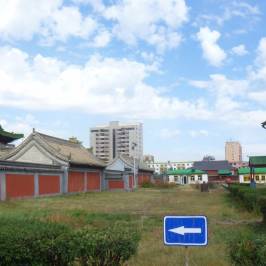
(182, 230)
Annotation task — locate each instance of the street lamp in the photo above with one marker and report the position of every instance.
(263, 124)
(134, 145)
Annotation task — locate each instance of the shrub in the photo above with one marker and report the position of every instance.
(165, 185)
(31, 242)
(262, 205)
(111, 246)
(147, 184)
(248, 250)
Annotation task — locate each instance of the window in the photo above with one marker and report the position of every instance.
(246, 178)
(263, 178)
(257, 178)
(192, 178)
(200, 178)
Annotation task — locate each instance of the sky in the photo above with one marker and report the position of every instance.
(193, 72)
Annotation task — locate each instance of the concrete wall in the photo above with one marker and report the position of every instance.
(25, 184)
(22, 184)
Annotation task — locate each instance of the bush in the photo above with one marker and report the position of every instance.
(262, 205)
(248, 250)
(30, 242)
(111, 246)
(165, 185)
(147, 184)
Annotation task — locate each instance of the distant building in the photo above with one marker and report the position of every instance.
(163, 167)
(109, 141)
(187, 176)
(233, 151)
(148, 158)
(245, 177)
(218, 171)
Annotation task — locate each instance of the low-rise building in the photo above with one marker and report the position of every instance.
(245, 177)
(218, 171)
(187, 176)
(163, 167)
(126, 173)
(46, 165)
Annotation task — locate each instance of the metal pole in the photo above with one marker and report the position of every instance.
(186, 256)
(134, 171)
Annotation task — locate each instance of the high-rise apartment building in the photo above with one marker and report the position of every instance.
(233, 151)
(109, 141)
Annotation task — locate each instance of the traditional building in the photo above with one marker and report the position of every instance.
(187, 176)
(218, 171)
(245, 176)
(6, 138)
(44, 165)
(126, 173)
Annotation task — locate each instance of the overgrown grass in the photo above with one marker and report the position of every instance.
(145, 210)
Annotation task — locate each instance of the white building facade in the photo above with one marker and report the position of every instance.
(109, 141)
(163, 167)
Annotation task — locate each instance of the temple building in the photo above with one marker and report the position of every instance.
(6, 138)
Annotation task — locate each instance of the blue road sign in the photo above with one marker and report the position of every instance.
(185, 230)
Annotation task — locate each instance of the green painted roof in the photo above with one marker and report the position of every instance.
(7, 137)
(257, 160)
(246, 170)
(224, 172)
(185, 172)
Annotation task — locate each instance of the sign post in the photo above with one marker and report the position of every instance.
(185, 231)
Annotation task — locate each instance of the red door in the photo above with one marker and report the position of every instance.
(75, 181)
(19, 185)
(93, 181)
(116, 184)
(49, 184)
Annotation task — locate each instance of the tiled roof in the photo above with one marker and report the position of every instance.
(212, 165)
(246, 170)
(257, 160)
(67, 151)
(224, 172)
(74, 152)
(130, 161)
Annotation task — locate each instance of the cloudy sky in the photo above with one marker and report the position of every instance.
(194, 72)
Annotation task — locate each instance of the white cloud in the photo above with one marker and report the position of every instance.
(198, 133)
(156, 22)
(102, 39)
(212, 52)
(97, 5)
(101, 86)
(220, 85)
(167, 133)
(258, 70)
(239, 50)
(234, 9)
(48, 19)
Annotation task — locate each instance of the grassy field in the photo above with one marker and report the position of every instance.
(145, 209)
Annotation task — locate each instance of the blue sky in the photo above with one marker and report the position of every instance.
(194, 72)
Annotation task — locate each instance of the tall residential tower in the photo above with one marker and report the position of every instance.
(233, 151)
(109, 141)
